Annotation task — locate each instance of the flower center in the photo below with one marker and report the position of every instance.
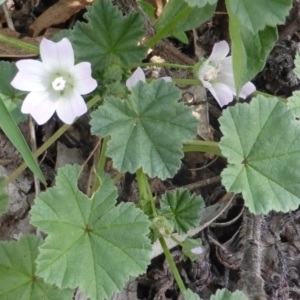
(59, 83)
(211, 74)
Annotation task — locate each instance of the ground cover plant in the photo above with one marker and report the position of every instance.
(92, 240)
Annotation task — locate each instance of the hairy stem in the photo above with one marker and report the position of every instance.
(253, 284)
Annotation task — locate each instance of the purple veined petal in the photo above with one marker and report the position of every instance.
(41, 105)
(57, 57)
(70, 106)
(220, 51)
(83, 81)
(221, 93)
(138, 75)
(197, 250)
(247, 89)
(32, 76)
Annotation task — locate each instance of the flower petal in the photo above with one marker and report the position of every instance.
(32, 76)
(247, 89)
(137, 75)
(166, 78)
(220, 51)
(221, 93)
(226, 65)
(83, 81)
(57, 57)
(227, 79)
(70, 106)
(41, 105)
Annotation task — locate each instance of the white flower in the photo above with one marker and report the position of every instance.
(139, 75)
(55, 83)
(216, 74)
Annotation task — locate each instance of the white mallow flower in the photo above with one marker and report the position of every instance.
(216, 74)
(139, 75)
(55, 83)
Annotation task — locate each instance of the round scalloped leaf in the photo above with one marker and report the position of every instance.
(91, 243)
(108, 37)
(190, 295)
(147, 130)
(225, 294)
(262, 143)
(183, 209)
(257, 14)
(18, 278)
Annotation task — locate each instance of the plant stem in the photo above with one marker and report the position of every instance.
(176, 240)
(169, 65)
(202, 146)
(172, 264)
(47, 144)
(256, 93)
(144, 189)
(19, 44)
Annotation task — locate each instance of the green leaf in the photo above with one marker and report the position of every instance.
(147, 130)
(192, 248)
(4, 199)
(18, 279)
(147, 8)
(182, 37)
(200, 3)
(179, 16)
(14, 134)
(190, 295)
(183, 209)
(224, 294)
(255, 15)
(108, 37)
(249, 50)
(11, 97)
(262, 144)
(91, 243)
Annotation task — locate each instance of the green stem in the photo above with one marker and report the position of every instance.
(19, 44)
(101, 163)
(202, 146)
(182, 81)
(47, 144)
(176, 241)
(256, 93)
(172, 264)
(102, 159)
(144, 189)
(169, 65)
(118, 177)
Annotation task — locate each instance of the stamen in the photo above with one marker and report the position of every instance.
(59, 84)
(211, 74)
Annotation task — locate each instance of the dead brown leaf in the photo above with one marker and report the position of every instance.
(57, 14)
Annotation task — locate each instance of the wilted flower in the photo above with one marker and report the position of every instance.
(139, 75)
(216, 74)
(55, 83)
